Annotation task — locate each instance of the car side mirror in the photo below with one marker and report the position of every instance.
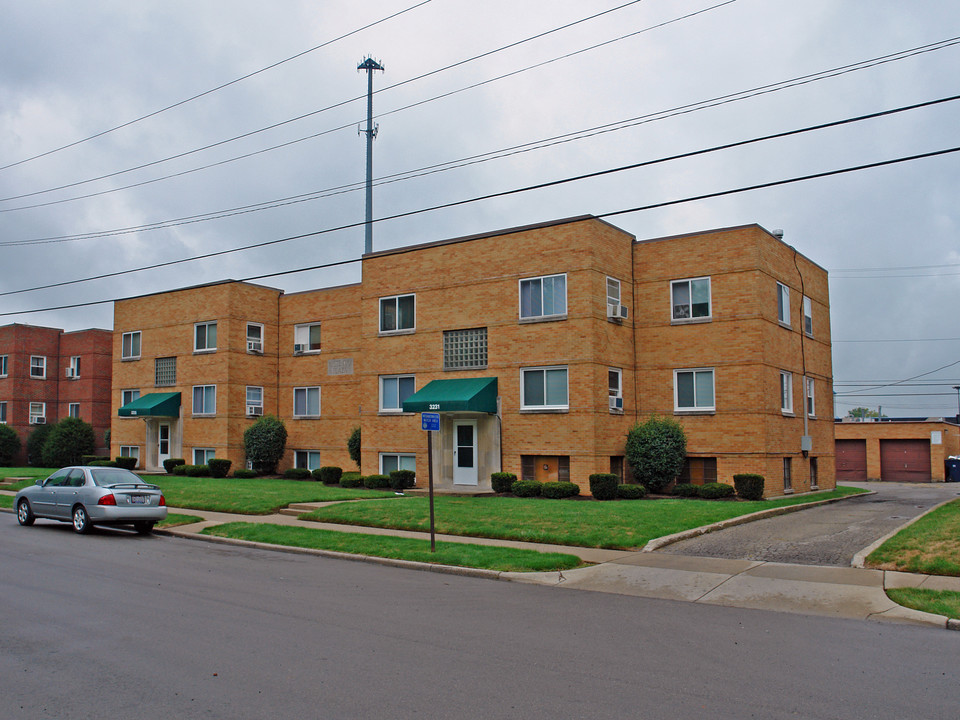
(39, 482)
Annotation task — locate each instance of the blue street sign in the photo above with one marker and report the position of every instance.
(430, 421)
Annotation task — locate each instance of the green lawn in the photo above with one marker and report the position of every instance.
(585, 523)
(938, 602)
(175, 519)
(6, 501)
(930, 546)
(460, 554)
(31, 473)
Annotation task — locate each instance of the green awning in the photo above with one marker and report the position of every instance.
(460, 395)
(153, 405)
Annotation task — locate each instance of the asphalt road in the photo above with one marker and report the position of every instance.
(115, 625)
(826, 535)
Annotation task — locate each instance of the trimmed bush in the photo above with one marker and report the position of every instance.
(526, 488)
(103, 463)
(559, 490)
(715, 491)
(87, 459)
(219, 467)
(297, 474)
(328, 475)
(655, 451)
(180, 469)
(68, 441)
(353, 445)
(170, 463)
(352, 481)
(264, 443)
(376, 482)
(631, 492)
(35, 442)
(244, 473)
(9, 445)
(127, 463)
(686, 490)
(749, 486)
(196, 471)
(400, 480)
(603, 486)
(501, 481)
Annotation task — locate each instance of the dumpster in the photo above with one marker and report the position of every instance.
(953, 469)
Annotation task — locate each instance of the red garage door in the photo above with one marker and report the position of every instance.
(905, 460)
(851, 459)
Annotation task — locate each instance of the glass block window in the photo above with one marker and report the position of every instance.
(465, 349)
(165, 371)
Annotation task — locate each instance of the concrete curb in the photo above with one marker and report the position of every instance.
(860, 559)
(660, 542)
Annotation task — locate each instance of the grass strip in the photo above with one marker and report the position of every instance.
(175, 519)
(487, 557)
(938, 602)
(6, 501)
(930, 546)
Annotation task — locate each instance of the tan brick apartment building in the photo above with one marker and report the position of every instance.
(47, 374)
(897, 450)
(539, 346)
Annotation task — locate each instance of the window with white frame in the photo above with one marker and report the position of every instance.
(398, 313)
(783, 304)
(543, 297)
(201, 456)
(38, 366)
(73, 369)
(130, 346)
(693, 390)
(204, 400)
(613, 291)
(808, 316)
(131, 451)
(38, 413)
(255, 338)
(544, 388)
(165, 371)
(128, 396)
(394, 389)
(397, 461)
(205, 337)
(73, 410)
(690, 299)
(306, 402)
(786, 392)
(615, 383)
(3, 412)
(254, 400)
(465, 349)
(309, 459)
(811, 403)
(4, 365)
(306, 338)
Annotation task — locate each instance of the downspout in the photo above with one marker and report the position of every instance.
(633, 323)
(803, 358)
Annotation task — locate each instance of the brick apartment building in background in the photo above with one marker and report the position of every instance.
(47, 374)
(539, 346)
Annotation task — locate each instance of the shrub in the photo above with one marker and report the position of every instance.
(328, 475)
(244, 473)
(749, 486)
(655, 451)
(353, 445)
(559, 490)
(715, 491)
(219, 467)
(170, 463)
(352, 481)
(9, 445)
(264, 443)
(196, 470)
(501, 481)
(603, 486)
(400, 480)
(526, 488)
(104, 463)
(631, 492)
(35, 441)
(686, 490)
(376, 482)
(127, 463)
(297, 474)
(69, 440)
(180, 469)
(87, 459)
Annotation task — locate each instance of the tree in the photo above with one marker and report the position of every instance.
(69, 440)
(862, 413)
(9, 445)
(655, 451)
(353, 445)
(264, 443)
(35, 442)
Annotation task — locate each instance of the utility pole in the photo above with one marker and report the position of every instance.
(371, 132)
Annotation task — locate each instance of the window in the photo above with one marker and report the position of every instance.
(811, 404)
(73, 410)
(309, 459)
(783, 304)
(306, 338)
(73, 370)
(615, 383)
(613, 291)
(306, 402)
(787, 475)
(398, 313)
(698, 471)
(204, 400)
(786, 392)
(201, 456)
(128, 396)
(205, 337)
(38, 413)
(130, 451)
(544, 388)
(255, 338)
(545, 468)
(165, 371)
(465, 349)
(4, 365)
(543, 297)
(693, 390)
(397, 461)
(814, 474)
(691, 299)
(38, 366)
(254, 400)
(3, 413)
(130, 346)
(394, 389)
(807, 316)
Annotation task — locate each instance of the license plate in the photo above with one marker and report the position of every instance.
(138, 499)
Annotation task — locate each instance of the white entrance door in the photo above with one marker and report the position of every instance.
(465, 452)
(163, 443)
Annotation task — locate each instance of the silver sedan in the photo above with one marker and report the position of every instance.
(88, 496)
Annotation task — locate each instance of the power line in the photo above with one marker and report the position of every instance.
(899, 340)
(898, 382)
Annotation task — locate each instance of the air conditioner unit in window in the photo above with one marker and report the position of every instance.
(70, 372)
(298, 348)
(38, 420)
(254, 410)
(255, 346)
(616, 403)
(617, 312)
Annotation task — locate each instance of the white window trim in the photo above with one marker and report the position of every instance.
(619, 393)
(299, 329)
(250, 339)
(204, 450)
(308, 453)
(193, 396)
(810, 396)
(4, 365)
(70, 407)
(542, 317)
(3, 412)
(786, 392)
(696, 408)
(32, 414)
(687, 320)
(74, 366)
(131, 451)
(398, 455)
(207, 324)
(319, 401)
(123, 337)
(43, 367)
(606, 286)
(128, 390)
(783, 292)
(396, 410)
(396, 300)
(807, 315)
(544, 408)
(246, 395)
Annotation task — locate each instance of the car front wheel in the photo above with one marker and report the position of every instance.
(24, 513)
(81, 521)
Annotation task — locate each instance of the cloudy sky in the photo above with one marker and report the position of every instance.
(125, 143)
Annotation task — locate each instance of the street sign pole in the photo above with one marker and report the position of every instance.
(430, 422)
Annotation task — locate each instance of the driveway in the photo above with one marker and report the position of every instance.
(826, 535)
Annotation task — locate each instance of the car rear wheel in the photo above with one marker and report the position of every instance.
(81, 521)
(24, 513)
(144, 527)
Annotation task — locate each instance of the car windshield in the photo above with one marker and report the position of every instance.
(105, 477)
